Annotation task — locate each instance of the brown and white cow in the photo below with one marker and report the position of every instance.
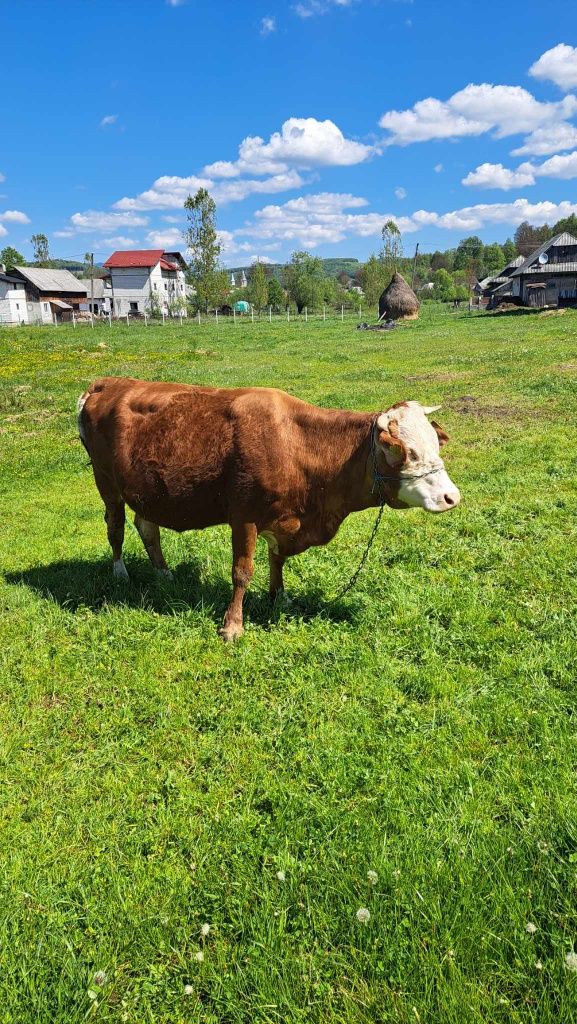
(266, 463)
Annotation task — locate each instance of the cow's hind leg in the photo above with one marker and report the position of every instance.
(276, 584)
(115, 518)
(150, 537)
(243, 547)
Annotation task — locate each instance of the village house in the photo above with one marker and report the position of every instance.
(51, 295)
(13, 307)
(98, 295)
(146, 281)
(548, 277)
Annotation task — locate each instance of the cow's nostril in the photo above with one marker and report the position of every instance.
(449, 500)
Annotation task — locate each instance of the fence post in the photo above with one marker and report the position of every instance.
(270, 314)
(306, 315)
(110, 318)
(324, 312)
(91, 318)
(288, 314)
(73, 319)
(127, 321)
(163, 317)
(181, 318)
(199, 318)
(252, 314)
(342, 313)
(216, 314)
(360, 312)
(146, 320)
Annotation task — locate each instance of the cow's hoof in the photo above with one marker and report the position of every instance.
(119, 570)
(231, 632)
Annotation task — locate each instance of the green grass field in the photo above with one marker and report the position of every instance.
(153, 779)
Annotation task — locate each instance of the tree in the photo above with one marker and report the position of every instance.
(374, 278)
(40, 246)
(202, 241)
(568, 224)
(258, 287)
(443, 285)
(392, 250)
(276, 294)
(11, 258)
(509, 251)
(441, 261)
(304, 277)
(469, 250)
(528, 237)
(493, 259)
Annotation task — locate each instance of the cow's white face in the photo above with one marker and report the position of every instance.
(410, 445)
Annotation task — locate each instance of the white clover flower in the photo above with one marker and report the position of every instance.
(204, 931)
(538, 966)
(281, 876)
(92, 994)
(372, 877)
(363, 915)
(188, 990)
(100, 978)
(397, 872)
(530, 928)
(571, 961)
(199, 956)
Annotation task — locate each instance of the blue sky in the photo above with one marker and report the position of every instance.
(311, 122)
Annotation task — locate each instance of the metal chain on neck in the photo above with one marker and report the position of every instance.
(377, 482)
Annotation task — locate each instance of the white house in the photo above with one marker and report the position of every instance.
(147, 280)
(13, 306)
(52, 295)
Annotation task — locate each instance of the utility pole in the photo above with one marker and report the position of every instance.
(414, 267)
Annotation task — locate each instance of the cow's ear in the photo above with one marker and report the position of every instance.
(395, 451)
(443, 437)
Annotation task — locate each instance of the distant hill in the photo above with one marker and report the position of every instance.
(332, 267)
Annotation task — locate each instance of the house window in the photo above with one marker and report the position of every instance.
(134, 307)
(17, 305)
(155, 286)
(45, 307)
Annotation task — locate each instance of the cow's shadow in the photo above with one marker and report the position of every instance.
(89, 584)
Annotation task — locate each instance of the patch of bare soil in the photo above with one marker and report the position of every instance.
(566, 367)
(441, 377)
(468, 405)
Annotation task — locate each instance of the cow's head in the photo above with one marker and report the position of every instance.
(408, 445)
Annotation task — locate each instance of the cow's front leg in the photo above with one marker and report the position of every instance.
(243, 548)
(276, 562)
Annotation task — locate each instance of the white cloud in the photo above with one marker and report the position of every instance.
(438, 168)
(120, 242)
(564, 167)
(165, 239)
(559, 65)
(328, 218)
(170, 191)
(66, 233)
(496, 176)
(15, 216)
(172, 220)
(108, 120)
(474, 110)
(2, 231)
(314, 7)
(547, 140)
(267, 26)
(401, 193)
(102, 220)
(303, 142)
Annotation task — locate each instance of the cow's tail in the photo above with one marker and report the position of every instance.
(80, 418)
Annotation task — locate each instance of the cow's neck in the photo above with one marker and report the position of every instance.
(343, 462)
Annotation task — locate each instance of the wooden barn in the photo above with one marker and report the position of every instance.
(56, 293)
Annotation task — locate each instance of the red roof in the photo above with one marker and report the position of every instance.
(134, 258)
(165, 265)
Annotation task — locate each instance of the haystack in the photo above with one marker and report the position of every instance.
(398, 301)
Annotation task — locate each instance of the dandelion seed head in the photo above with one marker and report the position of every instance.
(538, 966)
(571, 961)
(100, 978)
(281, 876)
(199, 956)
(372, 877)
(363, 915)
(205, 930)
(530, 928)
(188, 990)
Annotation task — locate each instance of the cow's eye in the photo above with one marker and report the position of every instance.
(412, 454)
